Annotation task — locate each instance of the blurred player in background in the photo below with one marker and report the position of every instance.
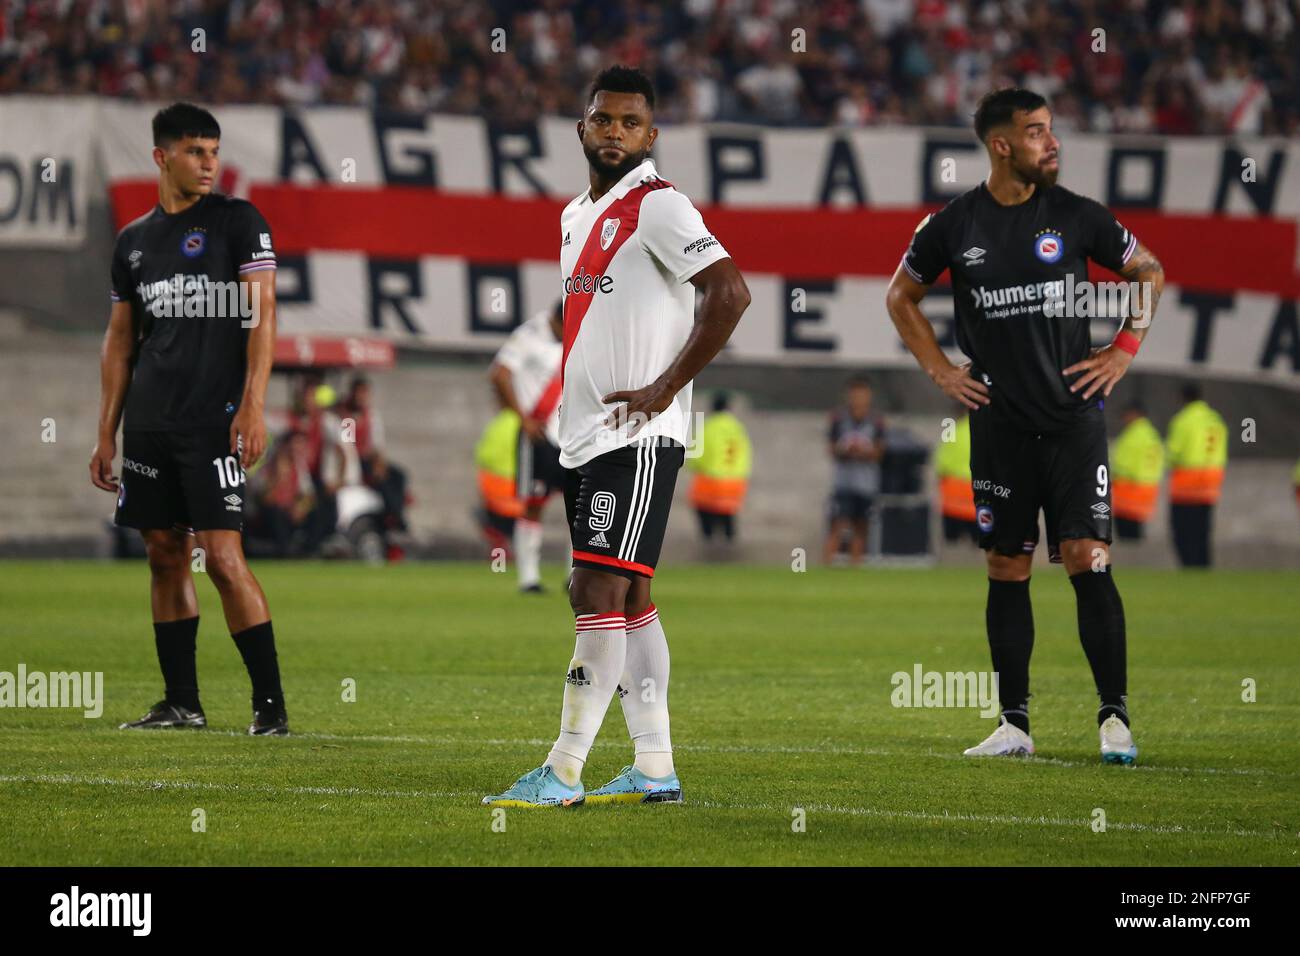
(526, 376)
(1035, 388)
(634, 252)
(857, 444)
(189, 386)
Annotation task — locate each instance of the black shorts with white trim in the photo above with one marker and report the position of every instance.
(617, 506)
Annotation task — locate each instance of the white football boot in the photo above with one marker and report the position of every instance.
(1007, 741)
(1117, 744)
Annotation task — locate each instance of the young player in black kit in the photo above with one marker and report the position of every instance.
(1035, 387)
(184, 367)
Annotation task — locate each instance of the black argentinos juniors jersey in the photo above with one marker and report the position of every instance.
(189, 361)
(1005, 262)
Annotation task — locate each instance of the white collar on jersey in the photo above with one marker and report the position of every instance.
(620, 188)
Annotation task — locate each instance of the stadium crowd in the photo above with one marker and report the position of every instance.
(1168, 66)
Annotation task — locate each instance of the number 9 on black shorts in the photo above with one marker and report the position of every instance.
(180, 479)
(1016, 473)
(617, 506)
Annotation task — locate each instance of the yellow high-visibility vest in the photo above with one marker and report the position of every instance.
(952, 458)
(1139, 454)
(495, 451)
(1198, 451)
(725, 451)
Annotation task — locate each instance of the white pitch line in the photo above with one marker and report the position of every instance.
(910, 815)
(828, 750)
(67, 778)
(832, 750)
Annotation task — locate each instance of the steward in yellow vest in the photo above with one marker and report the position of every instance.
(1137, 463)
(721, 471)
(1197, 446)
(956, 498)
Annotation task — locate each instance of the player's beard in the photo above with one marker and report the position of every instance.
(1039, 175)
(612, 171)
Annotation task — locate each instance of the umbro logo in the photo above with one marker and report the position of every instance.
(599, 541)
(233, 502)
(974, 255)
(567, 237)
(134, 258)
(1101, 509)
(578, 677)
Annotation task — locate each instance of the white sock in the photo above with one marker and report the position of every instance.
(528, 551)
(598, 660)
(645, 694)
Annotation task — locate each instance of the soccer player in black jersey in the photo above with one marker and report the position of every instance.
(1016, 247)
(184, 367)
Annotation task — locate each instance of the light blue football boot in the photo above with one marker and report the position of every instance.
(538, 788)
(632, 786)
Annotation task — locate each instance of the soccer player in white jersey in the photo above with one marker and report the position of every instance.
(633, 254)
(526, 376)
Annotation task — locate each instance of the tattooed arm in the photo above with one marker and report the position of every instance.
(1106, 366)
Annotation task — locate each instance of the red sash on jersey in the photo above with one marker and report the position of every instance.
(549, 399)
(593, 260)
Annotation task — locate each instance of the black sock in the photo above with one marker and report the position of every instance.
(175, 642)
(1101, 631)
(257, 647)
(1010, 620)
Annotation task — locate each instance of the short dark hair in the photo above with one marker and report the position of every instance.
(720, 401)
(183, 119)
(623, 79)
(1137, 407)
(1000, 107)
(859, 381)
(1191, 392)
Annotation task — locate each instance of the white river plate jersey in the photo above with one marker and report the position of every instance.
(626, 262)
(533, 354)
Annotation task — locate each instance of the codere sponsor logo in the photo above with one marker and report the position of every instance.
(587, 283)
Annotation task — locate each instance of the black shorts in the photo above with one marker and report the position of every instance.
(1016, 473)
(851, 505)
(538, 472)
(180, 480)
(617, 505)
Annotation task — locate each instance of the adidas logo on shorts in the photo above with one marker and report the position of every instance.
(599, 541)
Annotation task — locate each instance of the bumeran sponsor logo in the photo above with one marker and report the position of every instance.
(78, 690)
(74, 908)
(198, 297)
(922, 688)
(1066, 298)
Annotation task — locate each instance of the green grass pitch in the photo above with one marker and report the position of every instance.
(781, 700)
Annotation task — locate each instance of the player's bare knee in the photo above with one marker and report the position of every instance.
(225, 566)
(597, 593)
(1082, 554)
(1006, 567)
(168, 555)
(637, 599)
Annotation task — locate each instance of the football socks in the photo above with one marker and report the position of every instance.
(1009, 617)
(643, 692)
(597, 664)
(1102, 633)
(175, 642)
(257, 646)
